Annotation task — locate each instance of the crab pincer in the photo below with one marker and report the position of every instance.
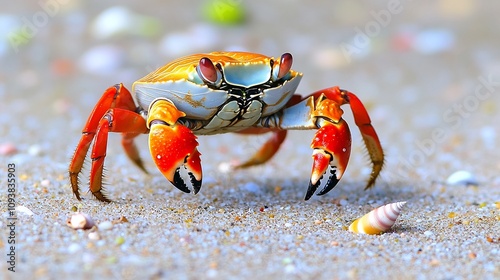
(173, 145)
(332, 141)
(332, 147)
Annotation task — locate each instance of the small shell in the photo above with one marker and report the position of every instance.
(80, 221)
(462, 178)
(378, 220)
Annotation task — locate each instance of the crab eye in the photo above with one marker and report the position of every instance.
(207, 71)
(285, 64)
(283, 67)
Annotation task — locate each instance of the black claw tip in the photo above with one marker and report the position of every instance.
(179, 183)
(330, 184)
(196, 183)
(312, 188)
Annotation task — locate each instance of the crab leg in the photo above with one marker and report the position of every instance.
(362, 120)
(173, 145)
(267, 151)
(116, 96)
(115, 120)
(272, 145)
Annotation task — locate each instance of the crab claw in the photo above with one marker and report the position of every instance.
(173, 145)
(332, 147)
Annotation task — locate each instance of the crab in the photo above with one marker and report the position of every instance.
(222, 92)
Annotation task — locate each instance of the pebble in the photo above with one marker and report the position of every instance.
(74, 247)
(24, 210)
(199, 37)
(462, 177)
(428, 233)
(224, 167)
(94, 235)
(290, 268)
(434, 41)
(119, 240)
(119, 20)
(45, 183)
(224, 12)
(8, 23)
(80, 221)
(329, 58)
(112, 21)
(106, 225)
(211, 273)
(7, 149)
(104, 59)
(488, 135)
(251, 187)
(35, 150)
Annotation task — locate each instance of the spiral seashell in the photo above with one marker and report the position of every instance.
(378, 220)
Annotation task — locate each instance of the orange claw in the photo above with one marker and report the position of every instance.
(173, 145)
(362, 120)
(332, 146)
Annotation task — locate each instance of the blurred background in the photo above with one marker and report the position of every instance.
(428, 72)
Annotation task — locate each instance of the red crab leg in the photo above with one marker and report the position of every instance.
(115, 120)
(173, 145)
(131, 150)
(268, 150)
(272, 145)
(372, 143)
(116, 96)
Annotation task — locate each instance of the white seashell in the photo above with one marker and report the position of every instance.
(80, 221)
(378, 220)
(462, 177)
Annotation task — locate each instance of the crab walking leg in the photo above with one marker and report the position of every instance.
(272, 145)
(372, 143)
(267, 151)
(116, 96)
(131, 150)
(115, 120)
(173, 145)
